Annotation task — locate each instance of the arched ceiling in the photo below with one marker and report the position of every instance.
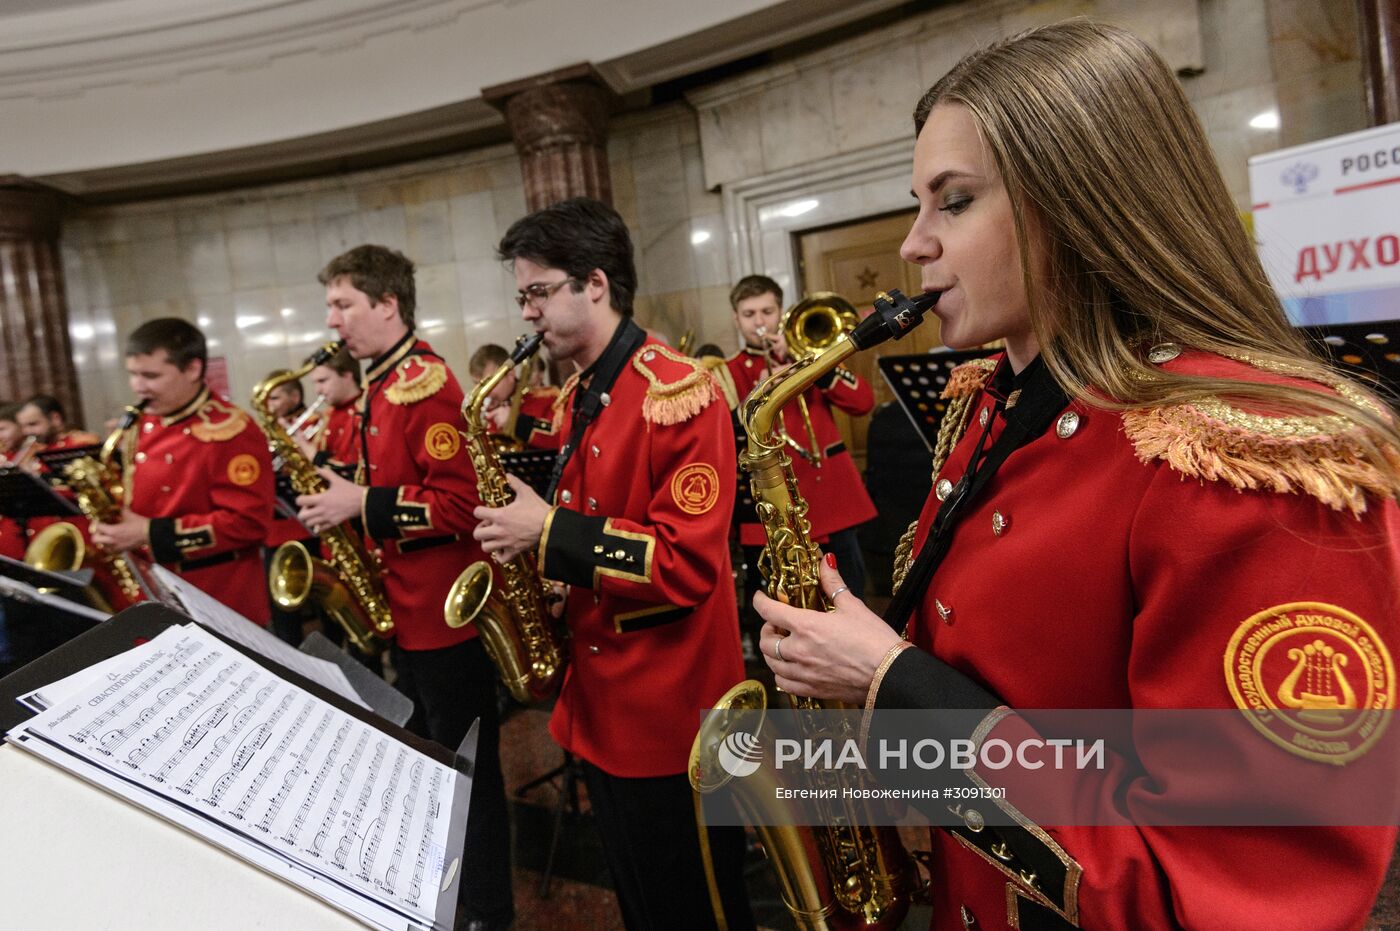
(101, 96)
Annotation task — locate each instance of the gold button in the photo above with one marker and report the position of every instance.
(983, 417)
(999, 523)
(648, 356)
(974, 820)
(148, 426)
(595, 452)
(1066, 425)
(140, 457)
(943, 489)
(165, 489)
(373, 431)
(605, 398)
(186, 431)
(169, 459)
(566, 496)
(1163, 353)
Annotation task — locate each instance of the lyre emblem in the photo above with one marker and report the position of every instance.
(1319, 667)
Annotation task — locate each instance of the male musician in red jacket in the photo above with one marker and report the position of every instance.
(198, 474)
(826, 475)
(43, 418)
(12, 535)
(515, 408)
(338, 441)
(637, 528)
(415, 492)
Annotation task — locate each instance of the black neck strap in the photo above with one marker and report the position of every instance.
(1038, 402)
(589, 400)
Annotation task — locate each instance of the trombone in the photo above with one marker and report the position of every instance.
(808, 327)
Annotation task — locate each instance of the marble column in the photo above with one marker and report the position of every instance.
(559, 122)
(1378, 25)
(36, 355)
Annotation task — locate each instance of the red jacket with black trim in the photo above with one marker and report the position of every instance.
(422, 489)
(1140, 560)
(639, 530)
(204, 477)
(533, 419)
(834, 490)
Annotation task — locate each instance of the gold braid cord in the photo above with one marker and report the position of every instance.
(964, 385)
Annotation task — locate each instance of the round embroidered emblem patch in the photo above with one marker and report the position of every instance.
(442, 441)
(695, 488)
(243, 469)
(1313, 678)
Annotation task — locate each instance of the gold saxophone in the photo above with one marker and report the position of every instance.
(119, 580)
(346, 585)
(525, 643)
(844, 874)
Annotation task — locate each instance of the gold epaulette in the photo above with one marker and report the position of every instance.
(1212, 440)
(217, 421)
(968, 378)
(719, 371)
(672, 402)
(416, 378)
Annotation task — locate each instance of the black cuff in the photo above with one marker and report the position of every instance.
(162, 537)
(381, 504)
(827, 380)
(345, 470)
(321, 458)
(921, 680)
(524, 426)
(578, 549)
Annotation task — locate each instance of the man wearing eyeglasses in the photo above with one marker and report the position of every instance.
(636, 525)
(415, 491)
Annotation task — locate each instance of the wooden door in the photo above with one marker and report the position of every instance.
(858, 261)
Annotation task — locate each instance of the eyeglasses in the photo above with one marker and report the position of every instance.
(537, 294)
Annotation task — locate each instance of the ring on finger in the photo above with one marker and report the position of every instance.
(839, 591)
(778, 649)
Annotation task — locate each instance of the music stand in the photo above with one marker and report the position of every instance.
(1369, 350)
(533, 466)
(55, 459)
(24, 495)
(918, 380)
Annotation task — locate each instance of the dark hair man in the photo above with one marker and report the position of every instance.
(200, 494)
(637, 528)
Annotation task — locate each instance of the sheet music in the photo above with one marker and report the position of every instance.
(194, 723)
(228, 623)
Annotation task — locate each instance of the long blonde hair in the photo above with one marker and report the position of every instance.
(1104, 159)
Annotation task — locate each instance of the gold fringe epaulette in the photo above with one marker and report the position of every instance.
(719, 371)
(969, 378)
(674, 401)
(217, 421)
(1211, 440)
(416, 378)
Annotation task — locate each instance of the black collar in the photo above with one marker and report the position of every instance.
(381, 366)
(188, 409)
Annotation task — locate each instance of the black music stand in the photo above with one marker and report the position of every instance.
(24, 495)
(918, 380)
(534, 466)
(42, 610)
(55, 459)
(1370, 351)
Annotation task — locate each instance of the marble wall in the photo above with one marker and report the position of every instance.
(243, 265)
(708, 186)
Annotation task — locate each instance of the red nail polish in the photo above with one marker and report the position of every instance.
(831, 560)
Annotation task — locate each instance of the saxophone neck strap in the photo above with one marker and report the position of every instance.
(589, 401)
(1039, 400)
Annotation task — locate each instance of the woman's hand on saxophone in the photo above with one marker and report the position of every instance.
(506, 532)
(830, 655)
(340, 501)
(131, 531)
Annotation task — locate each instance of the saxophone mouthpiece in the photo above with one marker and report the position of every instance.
(325, 353)
(894, 316)
(525, 347)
